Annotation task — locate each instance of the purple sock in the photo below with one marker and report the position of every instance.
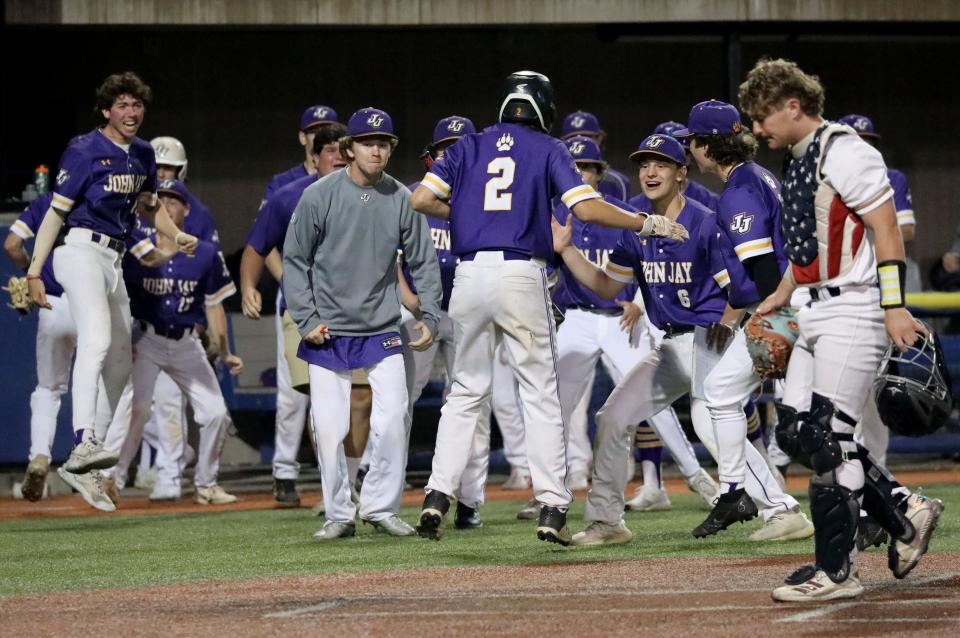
(78, 436)
(654, 455)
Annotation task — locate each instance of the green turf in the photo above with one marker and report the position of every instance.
(61, 554)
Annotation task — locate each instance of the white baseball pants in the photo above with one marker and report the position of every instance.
(292, 409)
(505, 399)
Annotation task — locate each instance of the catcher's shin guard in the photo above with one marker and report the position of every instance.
(835, 515)
(817, 438)
(787, 434)
(880, 502)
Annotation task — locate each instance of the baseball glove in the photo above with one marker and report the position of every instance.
(770, 340)
(19, 295)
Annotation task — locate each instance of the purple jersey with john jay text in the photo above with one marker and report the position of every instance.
(500, 183)
(98, 183)
(749, 215)
(280, 180)
(596, 243)
(440, 233)
(175, 294)
(28, 224)
(682, 282)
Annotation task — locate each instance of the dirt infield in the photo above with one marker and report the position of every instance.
(68, 506)
(657, 597)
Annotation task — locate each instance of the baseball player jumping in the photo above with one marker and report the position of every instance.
(105, 178)
(844, 246)
(500, 183)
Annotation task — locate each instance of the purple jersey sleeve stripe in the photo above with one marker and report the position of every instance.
(620, 273)
(905, 217)
(754, 248)
(436, 185)
(722, 278)
(578, 194)
(220, 295)
(62, 203)
(21, 230)
(141, 248)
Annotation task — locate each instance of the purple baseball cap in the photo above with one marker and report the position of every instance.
(317, 115)
(452, 127)
(712, 117)
(369, 122)
(585, 150)
(173, 187)
(861, 124)
(668, 128)
(580, 123)
(663, 146)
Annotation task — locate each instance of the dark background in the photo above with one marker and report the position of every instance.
(234, 96)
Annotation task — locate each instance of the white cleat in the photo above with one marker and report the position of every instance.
(519, 479)
(394, 526)
(530, 511)
(785, 526)
(924, 514)
(90, 487)
(331, 531)
(146, 479)
(213, 495)
(819, 588)
(577, 481)
(90, 455)
(600, 533)
(649, 499)
(166, 490)
(704, 485)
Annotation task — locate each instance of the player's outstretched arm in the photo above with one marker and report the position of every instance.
(425, 201)
(597, 211)
(585, 272)
(42, 245)
(251, 268)
(891, 269)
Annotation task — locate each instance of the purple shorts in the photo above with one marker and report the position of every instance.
(351, 353)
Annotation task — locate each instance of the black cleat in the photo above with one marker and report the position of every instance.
(730, 508)
(870, 534)
(467, 517)
(552, 526)
(285, 493)
(435, 506)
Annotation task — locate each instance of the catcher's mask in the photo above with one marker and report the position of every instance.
(912, 388)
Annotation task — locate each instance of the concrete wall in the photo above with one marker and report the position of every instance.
(234, 96)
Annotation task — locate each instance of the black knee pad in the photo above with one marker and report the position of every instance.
(786, 432)
(816, 436)
(835, 515)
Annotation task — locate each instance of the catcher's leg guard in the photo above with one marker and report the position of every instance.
(880, 502)
(835, 513)
(787, 432)
(817, 439)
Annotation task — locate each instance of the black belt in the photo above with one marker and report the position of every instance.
(822, 294)
(112, 242)
(675, 331)
(169, 333)
(599, 311)
(508, 255)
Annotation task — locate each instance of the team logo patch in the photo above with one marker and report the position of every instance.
(365, 197)
(769, 181)
(505, 143)
(578, 121)
(105, 162)
(861, 124)
(391, 342)
(62, 177)
(455, 126)
(319, 113)
(376, 121)
(577, 148)
(160, 150)
(737, 127)
(655, 141)
(741, 223)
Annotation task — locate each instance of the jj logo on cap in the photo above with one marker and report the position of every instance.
(577, 148)
(455, 126)
(578, 121)
(320, 113)
(376, 121)
(655, 141)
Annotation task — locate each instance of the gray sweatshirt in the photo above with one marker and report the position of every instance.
(340, 256)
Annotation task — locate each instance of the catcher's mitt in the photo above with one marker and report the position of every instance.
(770, 340)
(19, 295)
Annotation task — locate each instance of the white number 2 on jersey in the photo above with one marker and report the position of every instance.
(503, 169)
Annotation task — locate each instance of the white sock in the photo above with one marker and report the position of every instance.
(353, 465)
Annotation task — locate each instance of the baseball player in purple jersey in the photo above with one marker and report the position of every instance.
(683, 290)
(594, 326)
(266, 236)
(500, 184)
(615, 184)
(340, 281)
(748, 213)
(167, 304)
(835, 190)
(106, 177)
(56, 344)
(691, 189)
(312, 120)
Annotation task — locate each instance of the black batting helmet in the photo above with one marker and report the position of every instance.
(912, 389)
(527, 98)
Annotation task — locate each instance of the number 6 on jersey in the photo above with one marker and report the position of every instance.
(493, 199)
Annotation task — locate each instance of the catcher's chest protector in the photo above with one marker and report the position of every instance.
(822, 235)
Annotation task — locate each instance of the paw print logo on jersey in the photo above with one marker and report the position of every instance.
(455, 126)
(577, 148)
(578, 121)
(505, 143)
(376, 121)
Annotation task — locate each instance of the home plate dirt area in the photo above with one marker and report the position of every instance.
(656, 597)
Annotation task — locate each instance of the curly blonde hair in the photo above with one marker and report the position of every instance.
(771, 82)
